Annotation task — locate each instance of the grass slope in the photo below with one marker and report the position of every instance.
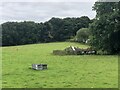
(83, 71)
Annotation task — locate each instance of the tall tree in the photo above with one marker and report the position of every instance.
(105, 28)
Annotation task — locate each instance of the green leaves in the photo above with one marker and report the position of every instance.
(55, 29)
(82, 35)
(105, 29)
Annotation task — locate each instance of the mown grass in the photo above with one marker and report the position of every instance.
(83, 71)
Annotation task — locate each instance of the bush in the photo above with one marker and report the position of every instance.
(82, 35)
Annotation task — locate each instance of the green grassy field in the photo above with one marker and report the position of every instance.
(83, 71)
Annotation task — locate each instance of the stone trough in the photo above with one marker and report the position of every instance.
(39, 66)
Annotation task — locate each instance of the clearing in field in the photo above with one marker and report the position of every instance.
(70, 71)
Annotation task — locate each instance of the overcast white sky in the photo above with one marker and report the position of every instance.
(43, 11)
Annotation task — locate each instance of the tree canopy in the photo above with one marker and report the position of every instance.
(28, 32)
(106, 27)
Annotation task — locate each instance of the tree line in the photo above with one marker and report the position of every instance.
(28, 32)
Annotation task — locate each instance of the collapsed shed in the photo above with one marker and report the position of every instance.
(71, 50)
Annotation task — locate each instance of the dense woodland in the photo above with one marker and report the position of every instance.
(103, 31)
(56, 29)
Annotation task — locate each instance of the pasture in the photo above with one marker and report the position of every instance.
(83, 71)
